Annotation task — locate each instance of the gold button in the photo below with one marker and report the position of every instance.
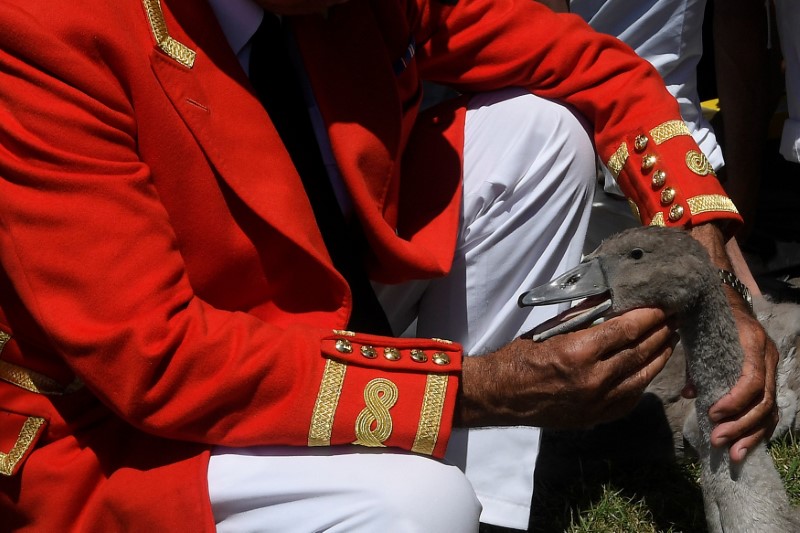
(676, 212)
(369, 352)
(640, 142)
(344, 346)
(392, 354)
(418, 356)
(667, 196)
(659, 179)
(441, 358)
(648, 162)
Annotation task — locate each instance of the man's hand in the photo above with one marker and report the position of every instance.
(748, 413)
(568, 381)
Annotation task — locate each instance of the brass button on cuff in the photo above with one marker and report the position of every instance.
(640, 142)
(419, 356)
(659, 179)
(441, 358)
(392, 354)
(369, 352)
(648, 161)
(676, 212)
(667, 196)
(344, 346)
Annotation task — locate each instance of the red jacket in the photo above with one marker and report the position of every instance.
(164, 287)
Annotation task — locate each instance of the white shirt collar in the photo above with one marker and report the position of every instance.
(239, 20)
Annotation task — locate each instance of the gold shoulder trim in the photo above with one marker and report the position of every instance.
(9, 460)
(617, 161)
(658, 219)
(710, 202)
(177, 51)
(330, 389)
(30, 380)
(668, 130)
(430, 417)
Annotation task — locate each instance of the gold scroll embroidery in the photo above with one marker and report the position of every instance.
(710, 202)
(699, 164)
(431, 414)
(9, 460)
(177, 51)
(617, 161)
(330, 389)
(668, 130)
(380, 395)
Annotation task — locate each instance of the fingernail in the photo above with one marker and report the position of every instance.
(742, 454)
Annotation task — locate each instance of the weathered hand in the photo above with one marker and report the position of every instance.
(749, 412)
(568, 381)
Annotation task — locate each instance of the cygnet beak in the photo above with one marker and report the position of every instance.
(587, 281)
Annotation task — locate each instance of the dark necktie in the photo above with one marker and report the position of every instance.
(277, 84)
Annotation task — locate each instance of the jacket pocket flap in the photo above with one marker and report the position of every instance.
(18, 435)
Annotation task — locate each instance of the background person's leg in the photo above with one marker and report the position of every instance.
(788, 18)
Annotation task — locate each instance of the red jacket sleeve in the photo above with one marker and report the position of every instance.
(94, 274)
(479, 45)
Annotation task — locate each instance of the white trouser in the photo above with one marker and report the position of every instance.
(529, 174)
(788, 15)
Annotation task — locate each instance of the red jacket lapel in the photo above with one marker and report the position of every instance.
(347, 68)
(216, 102)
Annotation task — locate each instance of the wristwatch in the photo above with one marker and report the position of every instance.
(730, 279)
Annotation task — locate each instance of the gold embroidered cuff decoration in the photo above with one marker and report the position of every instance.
(710, 203)
(330, 390)
(668, 130)
(380, 391)
(699, 163)
(635, 210)
(658, 219)
(431, 416)
(618, 160)
(374, 422)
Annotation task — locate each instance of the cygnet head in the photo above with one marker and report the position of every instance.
(640, 267)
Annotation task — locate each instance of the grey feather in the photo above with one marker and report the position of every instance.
(667, 268)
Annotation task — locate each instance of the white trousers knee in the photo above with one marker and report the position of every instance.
(342, 489)
(529, 170)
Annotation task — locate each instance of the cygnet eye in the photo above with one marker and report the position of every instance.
(636, 253)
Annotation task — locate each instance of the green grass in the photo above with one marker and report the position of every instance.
(786, 454)
(619, 493)
(660, 497)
